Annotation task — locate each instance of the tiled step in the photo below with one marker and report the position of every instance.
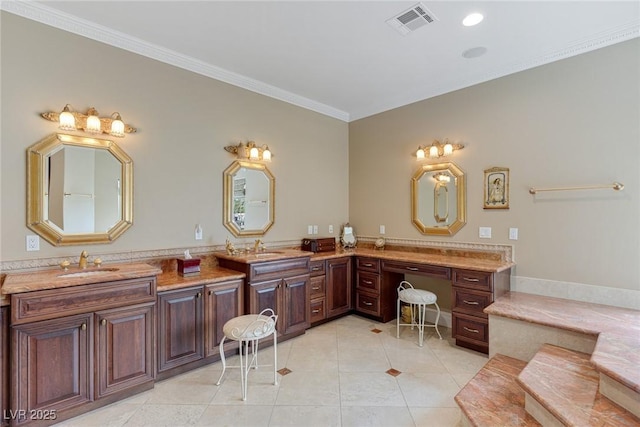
(493, 397)
(561, 388)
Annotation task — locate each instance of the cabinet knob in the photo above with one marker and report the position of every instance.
(367, 303)
(103, 322)
(412, 268)
(470, 302)
(210, 292)
(368, 282)
(315, 288)
(368, 264)
(315, 311)
(470, 279)
(199, 294)
(474, 331)
(83, 326)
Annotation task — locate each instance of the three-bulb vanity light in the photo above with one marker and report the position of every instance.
(437, 149)
(90, 122)
(250, 151)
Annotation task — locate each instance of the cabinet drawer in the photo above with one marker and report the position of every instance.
(368, 281)
(481, 280)
(368, 264)
(435, 271)
(316, 268)
(471, 301)
(278, 269)
(317, 310)
(367, 303)
(471, 328)
(317, 287)
(47, 304)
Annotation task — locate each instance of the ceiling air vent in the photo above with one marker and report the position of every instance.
(411, 19)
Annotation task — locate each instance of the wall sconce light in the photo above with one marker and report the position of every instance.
(437, 149)
(91, 122)
(250, 151)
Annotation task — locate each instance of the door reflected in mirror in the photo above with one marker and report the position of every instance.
(438, 199)
(249, 199)
(79, 190)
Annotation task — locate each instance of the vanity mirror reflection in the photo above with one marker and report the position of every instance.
(249, 198)
(438, 199)
(79, 190)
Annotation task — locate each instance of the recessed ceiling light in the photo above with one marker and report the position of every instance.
(474, 52)
(472, 19)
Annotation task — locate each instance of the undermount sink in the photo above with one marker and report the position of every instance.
(89, 273)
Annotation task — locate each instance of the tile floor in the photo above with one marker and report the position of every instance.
(338, 378)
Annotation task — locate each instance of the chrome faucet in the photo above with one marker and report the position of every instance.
(83, 259)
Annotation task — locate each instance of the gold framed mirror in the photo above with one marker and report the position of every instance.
(439, 199)
(249, 198)
(79, 190)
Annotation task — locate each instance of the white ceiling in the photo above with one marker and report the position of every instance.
(341, 58)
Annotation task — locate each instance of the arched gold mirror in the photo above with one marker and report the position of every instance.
(439, 199)
(249, 198)
(79, 190)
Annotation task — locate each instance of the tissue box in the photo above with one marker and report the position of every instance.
(188, 267)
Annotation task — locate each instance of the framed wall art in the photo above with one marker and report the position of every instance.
(496, 188)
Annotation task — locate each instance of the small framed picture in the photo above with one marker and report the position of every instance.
(496, 188)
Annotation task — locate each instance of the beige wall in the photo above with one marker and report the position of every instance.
(570, 123)
(184, 122)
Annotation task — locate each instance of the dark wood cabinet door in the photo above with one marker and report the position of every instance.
(52, 364)
(180, 327)
(265, 295)
(224, 302)
(124, 348)
(296, 305)
(339, 297)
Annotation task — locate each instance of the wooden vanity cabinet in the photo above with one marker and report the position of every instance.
(74, 349)
(472, 291)
(281, 285)
(190, 322)
(368, 282)
(317, 292)
(339, 287)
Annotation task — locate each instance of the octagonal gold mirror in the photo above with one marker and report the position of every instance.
(249, 198)
(79, 190)
(438, 199)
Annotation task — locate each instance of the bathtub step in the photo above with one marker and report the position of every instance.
(493, 397)
(561, 388)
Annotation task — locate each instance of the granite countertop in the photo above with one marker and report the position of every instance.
(53, 279)
(208, 275)
(617, 351)
(263, 256)
(470, 263)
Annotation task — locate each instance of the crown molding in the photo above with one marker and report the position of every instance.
(612, 36)
(54, 18)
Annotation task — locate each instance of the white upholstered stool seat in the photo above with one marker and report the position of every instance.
(248, 330)
(416, 299)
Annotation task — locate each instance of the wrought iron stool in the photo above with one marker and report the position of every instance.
(248, 330)
(419, 299)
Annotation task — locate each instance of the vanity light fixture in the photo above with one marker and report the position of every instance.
(437, 149)
(250, 151)
(91, 122)
(442, 177)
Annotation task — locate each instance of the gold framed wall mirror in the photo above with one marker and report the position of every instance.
(439, 199)
(249, 198)
(79, 190)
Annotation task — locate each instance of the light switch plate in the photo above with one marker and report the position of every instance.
(485, 232)
(513, 234)
(309, 229)
(382, 229)
(315, 229)
(331, 229)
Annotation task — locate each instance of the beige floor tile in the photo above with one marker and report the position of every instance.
(236, 416)
(115, 415)
(183, 393)
(309, 388)
(429, 390)
(166, 415)
(307, 416)
(376, 416)
(370, 389)
(436, 417)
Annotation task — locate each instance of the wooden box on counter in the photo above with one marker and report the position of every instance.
(325, 244)
(188, 267)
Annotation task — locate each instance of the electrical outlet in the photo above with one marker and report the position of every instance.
(331, 229)
(309, 229)
(198, 232)
(485, 232)
(315, 229)
(33, 243)
(513, 234)
(382, 229)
